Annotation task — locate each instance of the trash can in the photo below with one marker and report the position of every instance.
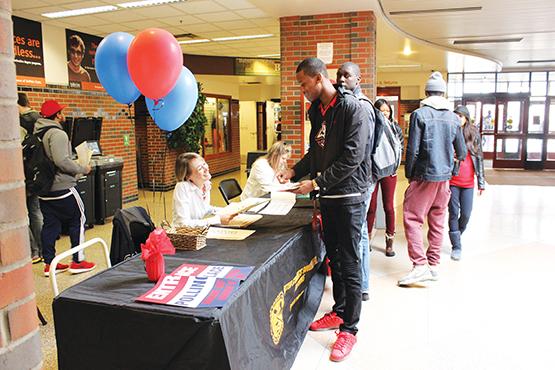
(108, 184)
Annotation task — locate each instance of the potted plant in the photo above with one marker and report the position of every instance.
(189, 135)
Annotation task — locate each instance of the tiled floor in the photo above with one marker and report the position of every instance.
(492, 310)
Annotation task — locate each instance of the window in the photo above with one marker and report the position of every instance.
(513, 82)
(217, 134)
(479, 83)
(538, 86)
(455, 85)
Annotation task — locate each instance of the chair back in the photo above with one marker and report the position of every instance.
(230, 189)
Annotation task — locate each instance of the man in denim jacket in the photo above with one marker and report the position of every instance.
(434, 137)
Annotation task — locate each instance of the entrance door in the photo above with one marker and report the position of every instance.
(549, 142)
(502, 121)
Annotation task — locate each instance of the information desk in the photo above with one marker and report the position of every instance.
(100, 326)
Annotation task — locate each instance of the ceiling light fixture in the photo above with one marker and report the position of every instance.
(268, 55)
(487, 41)
(407, 50)
(83, 11)
(246, 37)
(139, 4)
(199, 41)
(537, 61)
(440, 10)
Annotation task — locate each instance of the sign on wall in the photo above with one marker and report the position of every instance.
(28, 54)
(81, 51)
(257, 67)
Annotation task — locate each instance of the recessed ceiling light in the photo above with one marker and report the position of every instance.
(246, 37)
(83, 11)
(138, 4)
(407, 49)
(486, 41)
(537, 61)
(439, 10)
(199, 41)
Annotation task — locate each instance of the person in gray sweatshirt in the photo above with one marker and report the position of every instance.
(62, 206)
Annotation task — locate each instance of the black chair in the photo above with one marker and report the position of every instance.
(251, 158)
(230, 189)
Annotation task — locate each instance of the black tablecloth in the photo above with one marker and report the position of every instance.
(100, 326)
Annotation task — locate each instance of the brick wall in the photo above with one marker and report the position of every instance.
(19, 335)
(354, 39)
(115, 125)
(157, 161)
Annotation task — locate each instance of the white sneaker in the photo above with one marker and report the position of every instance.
(434, 271)
(419, 273)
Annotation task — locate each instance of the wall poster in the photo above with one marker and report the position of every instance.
(81, 50)
(28, 54)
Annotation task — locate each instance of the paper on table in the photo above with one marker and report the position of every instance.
(84, 154)
(242, 206)
(243, 220)
(228, 234)
(281, 204)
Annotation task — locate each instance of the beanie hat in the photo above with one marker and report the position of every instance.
(436, 83)
(463, 110)
(50, 108)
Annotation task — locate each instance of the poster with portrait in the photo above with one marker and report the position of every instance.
(81, 51)
(28, 54)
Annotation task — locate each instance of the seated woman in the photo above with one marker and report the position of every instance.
(263, 172)
(191, 196)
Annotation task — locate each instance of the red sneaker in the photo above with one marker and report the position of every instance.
(329, 321)
(83, 266)
(60, 267)
(342, 346)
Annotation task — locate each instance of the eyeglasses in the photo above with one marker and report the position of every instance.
(76, 52)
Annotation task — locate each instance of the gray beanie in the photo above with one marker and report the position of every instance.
(436, 83)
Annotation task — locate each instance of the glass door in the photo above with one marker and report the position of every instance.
(550, 135)
(482, 114)
(509, 131)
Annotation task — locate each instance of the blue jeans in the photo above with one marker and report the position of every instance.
(364, 247)
(35, 225)
(460, 208)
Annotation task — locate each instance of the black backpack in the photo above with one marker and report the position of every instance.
(39, 169)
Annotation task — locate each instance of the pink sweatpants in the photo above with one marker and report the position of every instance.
(425, 199)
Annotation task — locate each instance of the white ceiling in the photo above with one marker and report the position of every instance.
(209, 19)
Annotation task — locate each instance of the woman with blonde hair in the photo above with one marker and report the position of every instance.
(263, 172)
(191, 196)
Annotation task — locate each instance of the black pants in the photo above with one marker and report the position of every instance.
(460, 208)
(342, 230)
(63, 207)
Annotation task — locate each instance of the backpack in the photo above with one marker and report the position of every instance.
(387, 148)
(39, 169)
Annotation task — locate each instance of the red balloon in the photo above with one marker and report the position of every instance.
(154, 60)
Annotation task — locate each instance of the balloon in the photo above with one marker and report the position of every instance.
(111, 67)
(175, 108)
(154, 61)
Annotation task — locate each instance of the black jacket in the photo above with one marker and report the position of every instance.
(345, 162)
(478, 161)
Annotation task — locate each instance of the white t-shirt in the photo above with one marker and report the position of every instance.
(191, 205)
(261, 179)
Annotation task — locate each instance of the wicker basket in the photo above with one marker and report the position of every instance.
(187, 238)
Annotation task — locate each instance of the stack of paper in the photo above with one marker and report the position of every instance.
(84, 154)
(243, 220)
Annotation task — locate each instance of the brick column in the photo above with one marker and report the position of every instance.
(354, 39)
(19, 335)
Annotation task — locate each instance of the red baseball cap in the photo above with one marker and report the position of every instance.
(50, 108)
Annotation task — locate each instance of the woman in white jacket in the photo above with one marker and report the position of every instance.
(191, 196)
(263, 172)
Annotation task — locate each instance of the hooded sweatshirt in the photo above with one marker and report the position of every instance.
(27, 122)
(58, 149)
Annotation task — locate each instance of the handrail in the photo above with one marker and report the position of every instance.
(71, 251)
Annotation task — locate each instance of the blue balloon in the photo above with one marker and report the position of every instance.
(111, 67)
(170, 112)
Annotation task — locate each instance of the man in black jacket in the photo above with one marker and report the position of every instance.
(338, 162)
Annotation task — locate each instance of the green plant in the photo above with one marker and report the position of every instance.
(191, 133)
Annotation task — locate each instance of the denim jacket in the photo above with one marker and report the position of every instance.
(435, 136)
